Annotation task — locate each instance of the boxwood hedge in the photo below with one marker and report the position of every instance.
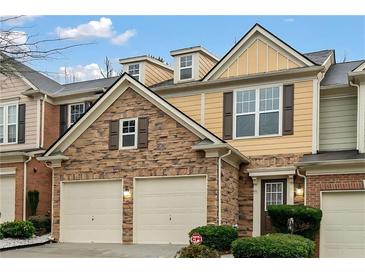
(17, 229)
(219, 237)
(306, 219)
(273, 246)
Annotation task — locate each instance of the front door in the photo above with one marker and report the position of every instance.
(273, 192)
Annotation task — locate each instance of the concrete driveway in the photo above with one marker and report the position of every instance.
(77, 250)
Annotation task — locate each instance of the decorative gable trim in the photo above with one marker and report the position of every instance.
(256, 29)
(110, 96)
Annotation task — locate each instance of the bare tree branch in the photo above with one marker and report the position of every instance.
(18, 46)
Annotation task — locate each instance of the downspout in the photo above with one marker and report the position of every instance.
(43, 111)
(25, 187)
(47, 165)
(220, 185)
(358, 114)
(305, 185)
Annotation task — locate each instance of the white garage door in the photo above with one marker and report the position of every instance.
(343, 225)
(7, 198)
(91, 212)
(166, 209)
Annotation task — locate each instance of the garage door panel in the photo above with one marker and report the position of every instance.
(166, 209)
(343, 224)
(7, 198)
(91, 211)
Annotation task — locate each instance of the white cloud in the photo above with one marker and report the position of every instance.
(123, 38)
(18, 20)
(80, 73)
(93, 29)
(289, 20)
(96, 29)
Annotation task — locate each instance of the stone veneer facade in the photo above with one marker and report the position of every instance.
(169, 153)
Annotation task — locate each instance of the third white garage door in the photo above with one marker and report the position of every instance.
(166, 209)
(343, 224)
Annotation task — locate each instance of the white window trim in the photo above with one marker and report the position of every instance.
(69, 112)
(5, 122)
(121, 134)
(180, 68)
(257, 111)
(139, 71)
(282, 192)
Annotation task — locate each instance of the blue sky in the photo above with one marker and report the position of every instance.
(125, 36)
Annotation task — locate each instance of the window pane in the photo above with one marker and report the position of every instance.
(11, 134)
(128, 140)
(245, 125)
(186, 73)
(1, 115)
(12, 114)
(76, 112)
(269, 99)
(269, 123)
(186, 61)
(1, 134)
(245, 101)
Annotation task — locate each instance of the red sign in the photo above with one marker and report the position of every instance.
(196, 239)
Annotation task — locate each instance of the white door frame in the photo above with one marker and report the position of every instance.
(87, 181)
(320, 201)
(162, 177)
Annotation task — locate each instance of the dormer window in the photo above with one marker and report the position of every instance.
(134, 71)
(186, 67)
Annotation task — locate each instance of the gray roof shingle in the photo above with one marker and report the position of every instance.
(337, 73)
(318, 57)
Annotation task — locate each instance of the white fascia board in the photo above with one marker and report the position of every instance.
(272, 171)
(247, 36)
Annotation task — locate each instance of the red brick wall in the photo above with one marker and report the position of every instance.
(51, 124)
(318, 183)
(19, 183)
(39, 177)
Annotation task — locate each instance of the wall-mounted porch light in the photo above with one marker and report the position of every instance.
(127, 193)
(299, 191)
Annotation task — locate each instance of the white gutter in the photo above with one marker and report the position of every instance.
(305, 186)
(358, 115)
(25, 187)
(42, 133)
(220, 186)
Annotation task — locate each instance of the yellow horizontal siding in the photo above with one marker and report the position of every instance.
(299, 142)
(190, 105)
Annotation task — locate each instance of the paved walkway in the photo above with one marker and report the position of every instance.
(77, 250)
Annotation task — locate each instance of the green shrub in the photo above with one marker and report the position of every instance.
(217, 237)
(33, 200)
(306, 219)
(42, 224)
(17, 229)
(273, 246)
(197, 251)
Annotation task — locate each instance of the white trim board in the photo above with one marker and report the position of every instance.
(114, 92)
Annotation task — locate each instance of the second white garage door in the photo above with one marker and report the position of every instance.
(91, 212)
(343, 225)
(166, 209)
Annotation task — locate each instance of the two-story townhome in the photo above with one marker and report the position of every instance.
(214, 141)
(34, 112)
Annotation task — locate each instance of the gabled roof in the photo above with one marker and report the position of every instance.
(360, 67)
(319, 57)
(122, 84)
(32, 77)
(257, 28)
(337, 74)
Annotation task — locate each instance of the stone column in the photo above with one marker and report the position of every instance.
(256, 227)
